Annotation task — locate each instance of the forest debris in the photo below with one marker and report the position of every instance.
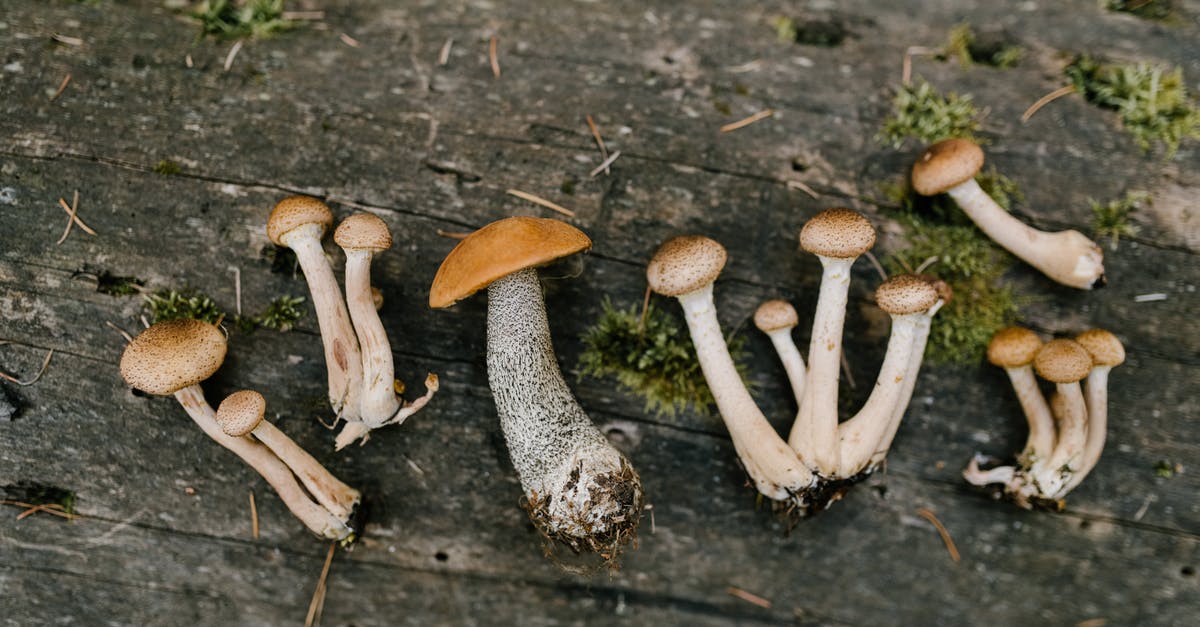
(538, 200)
(928, 514)
(761, 115)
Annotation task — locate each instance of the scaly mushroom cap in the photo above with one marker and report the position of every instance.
(500, 249)
(839, 232)
(172, 355)
(1013, 347)
(905, 294)
(1063, 361)
(1104, 347)
(295, 211)
(944, 291)
(241, 412)
(685, 264)
(774, 315)
(363, 231)
(946, 164)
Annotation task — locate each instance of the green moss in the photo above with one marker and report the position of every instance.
(1153, 102)
(1145, 9)
(40, 494)
(963, 44)
(172, 305)
(919, 111)
(785, 28)
(166, 167)
(657, 362)
(235, 19)
(1166, 469)
(281, 314)
(1111, 219)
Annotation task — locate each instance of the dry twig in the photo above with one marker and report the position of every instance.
(603, 167)
(66, 39)
(495, 60)
(30, 509)
(748, 597)
(599, 140)
(253, 517)
(761, 115)
(40, 372)
(444, 53)
(537, 200)
(61, 88)
(318, 599)
(73, 217)
(802, 187)
(1045, 100)
(927, 514)
(350, 41)
(452, 234)
(237, 46)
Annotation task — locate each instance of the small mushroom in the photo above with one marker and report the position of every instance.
(1067, 257)
(1014, 349)
(241, 415)
(579, 489)
(1065, 363)
(777, 318)
(361, 236)
(299, 223)
(686, 267)
(1107, 352)
(172, 358)
(837, 236)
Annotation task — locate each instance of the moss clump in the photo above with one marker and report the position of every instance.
(1145, 9)
(187, 304)
(656, 361)
(1111, 219)
(969, 48)
(166, 167)
(1152, 101)
(281, 314)
(235, 19)
(920, 111)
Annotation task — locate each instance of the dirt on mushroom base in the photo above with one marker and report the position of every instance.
(815, 499)
(605, 539)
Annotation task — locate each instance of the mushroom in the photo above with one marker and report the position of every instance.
(686, 267)
(1065, 363)
(299, 222)
(578, 488)
(1067, 257)
(241, 415)
(361, 236)
(777, 318)
(837, 236)
(1106, 351)
(910, 301)
(172, 358)
(1014, 349)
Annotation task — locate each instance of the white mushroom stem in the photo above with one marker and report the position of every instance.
(1096, 398)
(1067, 257)
(999, 474)
(353, 431)
(861, 436)
(1070, 409)
(261, 459)
(563, 460)
(920, 339)
(335, 496)
(793, 363)
(342, 358)
(776, 469)
(378, 402)
(1042, 439)
(814, 435)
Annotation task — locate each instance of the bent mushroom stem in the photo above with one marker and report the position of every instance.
(777, 318)
(260, 458)
(1070, 409)
(1106, 351)
(920, 339)
(379, 402)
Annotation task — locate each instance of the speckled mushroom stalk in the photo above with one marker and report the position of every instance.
(1067, 257)
(908, 300)
(361, 236)
(777, 318)
(299, 223)
(1107, 352)
(172, 358)
(1014, 349)
(685, 268)
(240, 415)
(837, 236)
(579, 488)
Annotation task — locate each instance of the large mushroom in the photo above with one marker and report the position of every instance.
(579, 489)
(299, 223)
(1067, 257)
(172, 358)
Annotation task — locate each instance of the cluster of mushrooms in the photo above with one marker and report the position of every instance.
(578, 489)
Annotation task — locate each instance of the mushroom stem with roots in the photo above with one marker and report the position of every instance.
(298, 223)
(1067, 257)
(172, 358)
(241, 415)
(579, 489)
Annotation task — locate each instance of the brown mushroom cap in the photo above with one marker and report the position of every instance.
(1104, 347)
(241, 412)
(839, 232)
(774, 315)
(685, 264)
(172, 355)
(363, 231)
(944, 291)
(295, 211)
(946, 164)
(1013, 347)
(1063, 361)
(905, 294)
(500, 249)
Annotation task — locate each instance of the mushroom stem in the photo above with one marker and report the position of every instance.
(999, 474)
(337, 497)
(260, 458)
(565, 464)
(1053, 474)
(343, 361)
(920, 339)
(793, 362)
(776, 469)
(1042, 439)
(1096, 400)
(378, 402)
(1067, 257)
(814, 435)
